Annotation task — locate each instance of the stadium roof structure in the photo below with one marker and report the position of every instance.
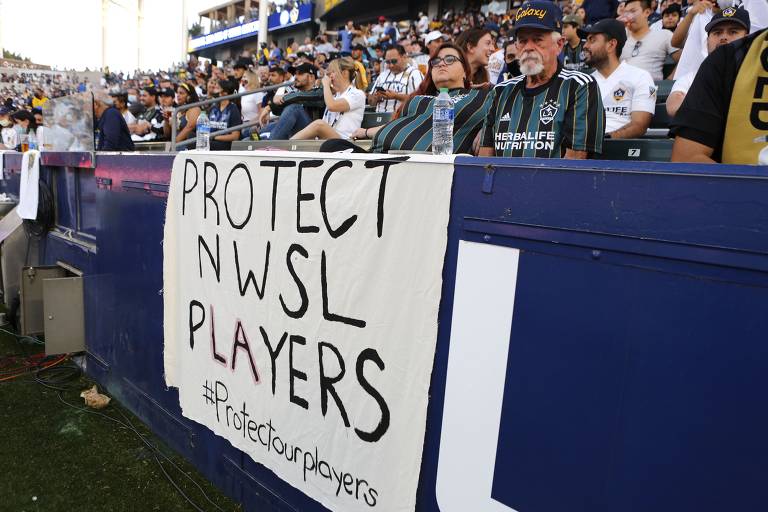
(229, 10)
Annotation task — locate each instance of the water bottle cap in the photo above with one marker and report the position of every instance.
(443, 89)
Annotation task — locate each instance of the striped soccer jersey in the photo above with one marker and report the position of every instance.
(413, 129)
(566, 113)
(404, 82)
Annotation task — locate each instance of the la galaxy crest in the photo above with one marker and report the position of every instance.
(548, 111)
(619, 94)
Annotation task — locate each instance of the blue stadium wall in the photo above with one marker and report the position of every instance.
(638, 353)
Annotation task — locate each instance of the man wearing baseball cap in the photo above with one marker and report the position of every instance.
(722, 29)
(724, 116)
(628, 92)
(298, 108)
(548, 112)
(433, 40)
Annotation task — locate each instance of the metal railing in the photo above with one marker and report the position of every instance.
(183, 108)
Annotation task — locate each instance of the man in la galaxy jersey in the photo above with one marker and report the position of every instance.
(548, 111)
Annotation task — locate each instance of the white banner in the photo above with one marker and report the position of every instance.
(301, 294)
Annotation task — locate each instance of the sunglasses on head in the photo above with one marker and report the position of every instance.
(636, 49)
(448, 60)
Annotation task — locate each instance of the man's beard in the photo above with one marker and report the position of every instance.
(595, 60)
(531, 64)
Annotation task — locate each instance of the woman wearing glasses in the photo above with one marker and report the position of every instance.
(344, 104)
(412, 130)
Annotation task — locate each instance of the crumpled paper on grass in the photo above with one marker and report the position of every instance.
(94, 399)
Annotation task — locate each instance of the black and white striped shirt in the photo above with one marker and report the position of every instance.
(404, 82)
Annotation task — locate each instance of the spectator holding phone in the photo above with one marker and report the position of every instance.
(396, 83)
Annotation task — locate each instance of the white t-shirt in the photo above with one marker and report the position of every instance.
(628, 89)
(249, 106)
(345, 123)
(129, 118)
(495, 65)
(420, 60)
(307, 48)
(10, 137)
(325, 48)
(423, 25)
(683, 83)
(651, 53)
(404, 82)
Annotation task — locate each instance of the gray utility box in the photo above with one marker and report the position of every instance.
(52, 304)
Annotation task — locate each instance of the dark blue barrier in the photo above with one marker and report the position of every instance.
(636, 361)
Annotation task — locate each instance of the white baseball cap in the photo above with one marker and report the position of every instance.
(432, 36)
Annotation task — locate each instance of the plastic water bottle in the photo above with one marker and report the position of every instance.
(442, 124)
(203, 132)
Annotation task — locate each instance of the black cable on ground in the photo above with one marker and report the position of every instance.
(57, 380)
(63, 377)
(57, 377)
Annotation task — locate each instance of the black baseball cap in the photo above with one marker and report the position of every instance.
(242, 64)
(740, 16)
(358, 46)
(306, 67)
(122, 95)
(610, 27)
(539, 14)
(167, 92)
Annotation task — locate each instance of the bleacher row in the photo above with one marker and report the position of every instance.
(654, 147)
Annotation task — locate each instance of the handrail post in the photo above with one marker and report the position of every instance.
(173, 127)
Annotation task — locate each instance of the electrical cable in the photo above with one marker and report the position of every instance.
(37, 370)
(20, 337)
(55, 377)
(153, 449)
(157, 450)
(62, 377)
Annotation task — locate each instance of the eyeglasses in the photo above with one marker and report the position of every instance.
(636, 49)
(392, 61)
(447, 60)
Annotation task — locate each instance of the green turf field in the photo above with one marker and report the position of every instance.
(57, 458)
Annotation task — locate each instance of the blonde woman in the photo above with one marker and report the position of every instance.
(251, 104)
(344, 104)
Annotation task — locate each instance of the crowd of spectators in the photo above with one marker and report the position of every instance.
(541, 79)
